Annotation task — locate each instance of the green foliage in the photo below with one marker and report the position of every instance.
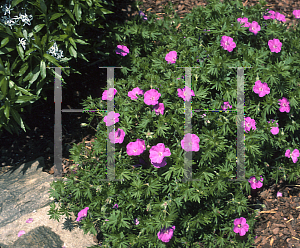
(23, 67)
(203, 210)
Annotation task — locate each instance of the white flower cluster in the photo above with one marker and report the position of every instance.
(7, 20)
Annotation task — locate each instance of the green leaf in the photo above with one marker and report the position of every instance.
(105, 11)
(6, 110)
(51, 59)
(55, 16)
(22, 99)
(20, 51)
(43, 69)
(80, 42)
(73, 51)
(78, 12)
(72, 42)
(11, 93)
(36, 73)
(43, 6)
(70, 14)
(4, 42)
(23, 69)
(4, 86)
(38, 28)
(23, 90)
(18, 119)
(16, 2)
(89, 2)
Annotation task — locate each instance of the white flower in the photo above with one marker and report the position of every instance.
(22, 42)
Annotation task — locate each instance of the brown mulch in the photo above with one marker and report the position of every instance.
(277, 224)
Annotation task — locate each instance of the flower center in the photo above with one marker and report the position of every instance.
(260, 89)
(152, 98)
(274, 46)
(135, 150)
(283, 104)
(226, 43)
(160, 154)
(239, 225)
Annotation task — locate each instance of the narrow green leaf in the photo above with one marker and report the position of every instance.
(55, 16)
(4, 42)
(73, 51)
(23, 90)
(4, 86)
(72, 42)
(20, 51)
(89, 2)
(43, 6)
(36, 73)
(16, 2)
(43, 69)
(80, 42)
(78, 12)
(18, 118)
(23, 69)
(70, 14)
(6, 110)
(38, 28)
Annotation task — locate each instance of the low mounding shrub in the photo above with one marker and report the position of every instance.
(151, 206)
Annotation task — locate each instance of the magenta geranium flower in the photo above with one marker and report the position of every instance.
(116, 206)
(280, 17)
(226, 105)
(29, 220)
(159, 108)
(254, 183)
(171, 57)
(254, 27)
(165, 235)
(249, 123)
(275, 130)
(21, 233)
(151, 97)
(141, 13)
(244, 21)
(158, 152)
(136, 148)
(185, 93)
(279, 194)
(136, 91)
(240, 226)
(295, 154)
(109, 95)
(82, 213)
(193, 145)
(275, 45)
(261, 89)
(123, 50)
(284, 105)
(296, 13)
(227, 43)
(271, 15)
(111, 118)
(118, 138)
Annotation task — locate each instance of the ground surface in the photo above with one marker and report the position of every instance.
(278, 224)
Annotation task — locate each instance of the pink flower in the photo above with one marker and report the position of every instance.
(136, 222)
(136, 91)
(116, 206)
(280, 17)
(158, 152)
(21, 233)
(171, 57)
(159, 108)
(118, 138)
(275, 45)
(123, 50)
(295, 154)
(111, 93)
(160, 165)
(272, 16)
(136, 148)
(227, 43)
(185, 93)
(284, 105)
(250, 123)
(240, 226)
(82, 213)
(151, 97)
(141, 13)
(226, 105)
(193, 145)
(245, 21)
(165, 235)
(254, 27)
(279, 194)
(261, 89)
(254, 183)
(296, 13)
(111, 118)
(29, 220)
(275, 130)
